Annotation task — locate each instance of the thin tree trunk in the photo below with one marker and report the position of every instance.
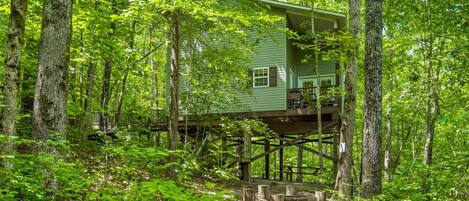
(106, 95)
(401, 147)
(50, 100)
(154, 79)
(15, 41)
(318, 90)
(387, 152)
(371, 147)
(106, 90)
(344, 182)
(87, 118)
(120, 100)
(432, 111)
(174, 90)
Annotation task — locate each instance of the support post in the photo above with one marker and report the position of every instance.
(267, 158)
(281, 160)
(299, 162)
(245, 161)
(335, 154)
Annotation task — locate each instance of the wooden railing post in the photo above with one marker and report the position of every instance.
(247, 194)
(320, 196)
(290, 190)
(263, 193)
(278, 197)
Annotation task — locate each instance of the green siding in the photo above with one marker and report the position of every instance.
(271, 51)
(302, 68)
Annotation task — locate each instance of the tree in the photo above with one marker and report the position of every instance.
(432, 88)
(344, 175)
(371, 147)
(10, 84)
(108, 62)
(50, 100)
(174, 87)
(318, 90)
(388, 137)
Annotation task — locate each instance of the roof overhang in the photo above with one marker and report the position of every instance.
(296, 9)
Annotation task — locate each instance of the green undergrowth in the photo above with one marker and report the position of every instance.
(129, 169)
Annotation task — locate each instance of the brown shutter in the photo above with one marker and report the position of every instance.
(251, 77)
(273, 76)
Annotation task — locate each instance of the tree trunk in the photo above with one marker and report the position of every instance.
(87, 118)
(387, 152)
(50, 100)
(106, 90)
(10, 84)
(174, 89)
(154, 80)
(120, 101)
(432, 111)
(344, 174)
(318, 91)
(371, 147)
(106, 95)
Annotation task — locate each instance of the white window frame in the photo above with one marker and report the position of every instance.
(254, 77)
(315, 81)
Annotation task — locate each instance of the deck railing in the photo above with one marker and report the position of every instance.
(307, 97)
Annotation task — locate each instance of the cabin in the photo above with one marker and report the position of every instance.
(283, 95)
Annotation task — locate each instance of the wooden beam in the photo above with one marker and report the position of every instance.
(294, 142)
(317, 153)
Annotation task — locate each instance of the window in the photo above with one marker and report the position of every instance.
(327, 81)
(261, 77)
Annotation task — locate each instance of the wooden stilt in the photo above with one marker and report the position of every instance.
(275, 166)
(299, 168)
(281, 160)
(335, 154)
(245, 161)
(267, 161)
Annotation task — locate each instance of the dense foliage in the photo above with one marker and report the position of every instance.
(215, 48)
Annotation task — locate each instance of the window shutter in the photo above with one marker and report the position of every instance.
(251, 77)
(273, 76)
